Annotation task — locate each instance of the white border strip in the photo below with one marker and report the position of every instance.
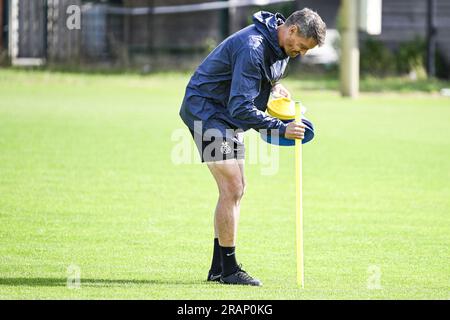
(28, 62)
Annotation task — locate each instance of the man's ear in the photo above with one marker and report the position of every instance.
(293, 29)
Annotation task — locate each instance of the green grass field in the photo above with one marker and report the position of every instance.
(86, 179)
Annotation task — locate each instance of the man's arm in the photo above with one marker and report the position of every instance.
(245, 86)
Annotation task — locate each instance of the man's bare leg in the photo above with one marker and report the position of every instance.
(230, 182)
(221, 170)
(229, 176)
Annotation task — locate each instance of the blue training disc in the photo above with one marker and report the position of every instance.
(281, 141)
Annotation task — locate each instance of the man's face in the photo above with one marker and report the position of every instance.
(295, 44)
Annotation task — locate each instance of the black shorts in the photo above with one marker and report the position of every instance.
(217, 140)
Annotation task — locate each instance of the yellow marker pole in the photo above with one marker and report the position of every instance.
(298, 202)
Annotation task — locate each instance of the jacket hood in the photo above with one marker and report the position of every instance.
(266, 23)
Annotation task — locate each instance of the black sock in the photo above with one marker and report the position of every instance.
(216, 264)
(229, 263)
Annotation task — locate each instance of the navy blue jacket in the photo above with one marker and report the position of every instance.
(234, 82)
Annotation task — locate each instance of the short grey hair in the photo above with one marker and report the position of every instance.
(309, 24)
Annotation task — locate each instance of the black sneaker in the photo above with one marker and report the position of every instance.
(213, 277)
(240, 277)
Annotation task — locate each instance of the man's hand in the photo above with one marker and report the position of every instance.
(295, 130)
(280, 91)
